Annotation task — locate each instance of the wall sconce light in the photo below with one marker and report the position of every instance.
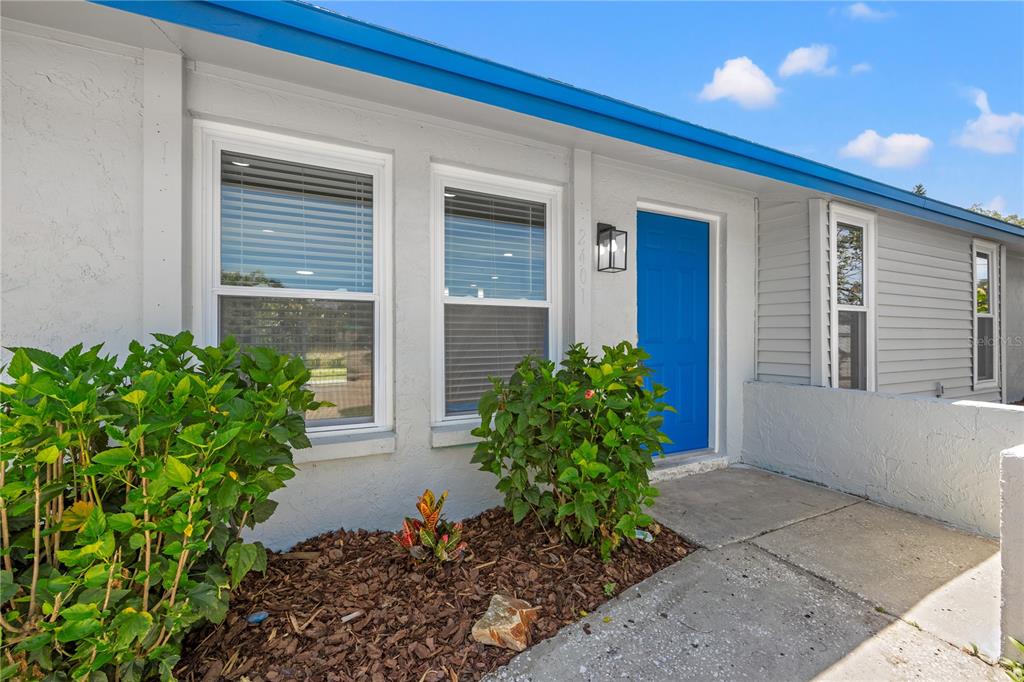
(611, 248)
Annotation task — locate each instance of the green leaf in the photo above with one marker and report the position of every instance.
(115, 457)
(585, 513)
(48, 455)
(243, 557)
(208, 602)
(131, 625)
(20, 364)
(569, 475)
(135, 397)
(193, 435)
(520, 508)
(176, 471)
(8, 588)
(121, 522)
(78, 629)
(96, 576)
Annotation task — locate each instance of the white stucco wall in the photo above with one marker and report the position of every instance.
(72, 194)
(617, 188)
(83, 106)
(928, 456)
(1012, 551)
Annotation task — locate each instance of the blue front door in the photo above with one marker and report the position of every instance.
(672, 320)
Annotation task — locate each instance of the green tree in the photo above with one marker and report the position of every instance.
(919, 190)
(1012, 218)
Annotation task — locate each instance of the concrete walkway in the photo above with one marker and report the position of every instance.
(793, 582)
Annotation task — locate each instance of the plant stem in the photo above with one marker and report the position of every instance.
(149, 544)
(4, 528)
(36, 532)
(110, 579)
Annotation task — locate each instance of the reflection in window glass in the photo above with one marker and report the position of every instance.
(334, 339)
(494, 246)
(295, 226)
(986, 349)
(981, 269)
(849, 265)
(853, 351)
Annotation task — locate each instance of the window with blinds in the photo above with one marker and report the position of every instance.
(295, 226)
(496, 305)
(308, 230)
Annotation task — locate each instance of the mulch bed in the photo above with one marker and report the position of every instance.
(416, 619)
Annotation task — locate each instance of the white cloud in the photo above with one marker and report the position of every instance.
(862, 67)
(742, 81)
(899, 150)
(864, 12)
(997, 204)
(810, 59)
(991, 133)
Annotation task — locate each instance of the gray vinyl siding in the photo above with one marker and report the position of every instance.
(925, 317)
(1013, 309)
(783, 294)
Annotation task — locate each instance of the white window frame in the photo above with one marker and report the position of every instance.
(443, 175)
(867, 221)
(991, 249)
(211, 138)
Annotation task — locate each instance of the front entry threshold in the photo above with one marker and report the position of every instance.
(686, 464)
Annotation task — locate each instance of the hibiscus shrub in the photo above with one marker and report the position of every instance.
(574, 445)
(123, 493)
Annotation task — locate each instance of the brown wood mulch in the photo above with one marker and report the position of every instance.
(412, 621)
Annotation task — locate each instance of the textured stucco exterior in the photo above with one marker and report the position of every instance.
(370, 482)
(1012, 550)
(72, 194)
(928, 456)
(91, 131)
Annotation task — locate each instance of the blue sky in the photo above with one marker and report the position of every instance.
(913, 70)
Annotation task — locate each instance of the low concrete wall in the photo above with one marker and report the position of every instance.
(1012, 550)
(928, 456)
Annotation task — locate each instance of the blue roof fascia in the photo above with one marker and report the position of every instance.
(319, 34)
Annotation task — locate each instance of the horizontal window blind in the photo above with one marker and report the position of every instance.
(295, 226)
(334, 338)
(494, 246)
(481, 341)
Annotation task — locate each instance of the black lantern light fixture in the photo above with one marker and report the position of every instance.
(611, 248)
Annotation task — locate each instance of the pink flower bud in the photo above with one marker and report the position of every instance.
(589, 394)
(444, 538)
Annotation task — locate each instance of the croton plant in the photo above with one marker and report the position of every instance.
(431, 536)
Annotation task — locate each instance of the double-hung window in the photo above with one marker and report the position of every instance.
(986, 314)
(852, 238)
(495, 298)
(295, 240)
